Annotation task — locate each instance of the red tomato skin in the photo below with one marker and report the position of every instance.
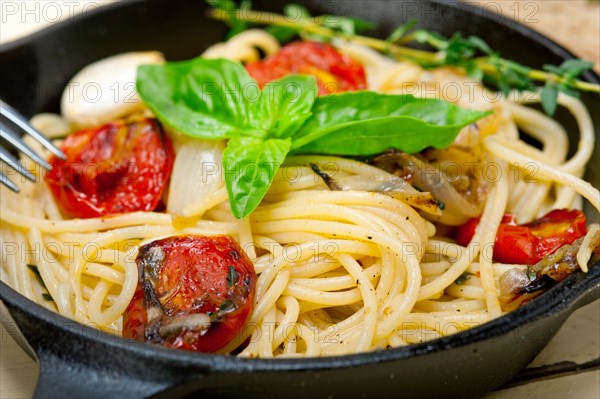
(565, 227)
(115, 168)
(464, 234)
(335, 72)
(515, 244)
(529, 243)
(135, 317)
(194, 279)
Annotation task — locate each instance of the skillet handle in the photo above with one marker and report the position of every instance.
(70, 378)
(73, 365)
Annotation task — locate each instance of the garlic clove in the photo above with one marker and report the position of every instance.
(105, 90)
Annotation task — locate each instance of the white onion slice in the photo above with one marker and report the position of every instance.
(197, 174)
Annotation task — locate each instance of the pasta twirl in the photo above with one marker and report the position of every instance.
(339, 272)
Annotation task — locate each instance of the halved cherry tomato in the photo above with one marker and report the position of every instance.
(529, 243)
(116, 168)
(194, 292)
(335, 72)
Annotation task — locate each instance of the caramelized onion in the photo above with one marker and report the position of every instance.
(191, 322)
(518, 287)
(388, 184)
(457, 206)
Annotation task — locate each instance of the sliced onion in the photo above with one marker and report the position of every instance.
(196, 174)
(427, 177)
(519, 286)
(385, 183)
(193, 322)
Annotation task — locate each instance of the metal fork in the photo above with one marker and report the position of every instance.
(13, 138)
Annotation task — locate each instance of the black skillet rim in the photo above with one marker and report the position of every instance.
(562, 297)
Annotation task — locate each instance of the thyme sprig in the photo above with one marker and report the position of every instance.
(470, 53)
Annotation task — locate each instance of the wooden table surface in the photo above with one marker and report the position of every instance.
(575, 24)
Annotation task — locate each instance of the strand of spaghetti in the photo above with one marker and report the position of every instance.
(10, 251)
(90, 250)
(265, 348)
(343, 343)
(356, 198)
(488, 237)
(245, 241)
(440, 322)
(323, 298)
(492, 211)
(305, 251)
(368, 298)
(585, 147)
(43, 262)
(108, 316)
(503, 150)
(270, 297)
(261, 307)
(310, 340)
(289, 345)
(590, 241)
(445, 248)
(456, 305)
(372, 222)
(63, 300)
(105, 273)
(466, 291)
(544, 129)
(331, 211)
(85, 225)
(289, 320)
(62, 255)
(309, 269)
(335, 283)
(242, 47)
(300, 252)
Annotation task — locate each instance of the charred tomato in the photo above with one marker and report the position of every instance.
(529, 243)
(194, 292)
(335, 72)
(115, 168)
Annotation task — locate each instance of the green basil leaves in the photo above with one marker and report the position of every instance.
(217, 99)
(368, 123)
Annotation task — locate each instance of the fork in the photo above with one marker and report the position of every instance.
(13, 138)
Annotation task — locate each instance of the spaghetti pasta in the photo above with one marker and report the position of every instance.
(338, 271)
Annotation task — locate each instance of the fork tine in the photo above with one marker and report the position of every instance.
(8, 183)
(16, 142)
(19, 120)
(11, 161)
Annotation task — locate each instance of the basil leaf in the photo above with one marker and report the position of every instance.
(202, 98)
(250, 165)
(285, 105)
(367, 123)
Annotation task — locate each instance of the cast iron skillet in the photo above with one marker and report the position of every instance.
(78, 361)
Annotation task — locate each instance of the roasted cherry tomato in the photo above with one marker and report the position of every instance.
(116, 168)
(529, 243)
(335, 72)
(194, 293)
